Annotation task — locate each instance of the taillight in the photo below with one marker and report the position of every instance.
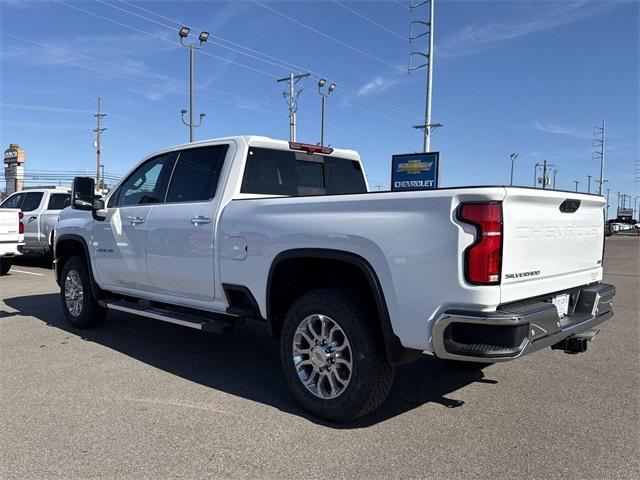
(20, 222)
(483, 258)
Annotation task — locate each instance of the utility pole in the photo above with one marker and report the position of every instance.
(545, 178)
(576, 182)
(427, 127)
(589, 184)
(293, 95)
(99, 129)
(183, 33)
(535, 174)
(599, 142)
(555, 172)
(513, 157)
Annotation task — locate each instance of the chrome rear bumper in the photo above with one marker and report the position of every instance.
(517, 329)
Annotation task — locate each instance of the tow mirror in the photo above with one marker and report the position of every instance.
(82, 193)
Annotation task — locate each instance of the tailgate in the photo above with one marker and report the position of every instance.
(9, 225)
(552, 241)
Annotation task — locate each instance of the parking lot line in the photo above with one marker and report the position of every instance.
(28, 273)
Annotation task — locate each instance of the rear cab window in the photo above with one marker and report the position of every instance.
(288, 173)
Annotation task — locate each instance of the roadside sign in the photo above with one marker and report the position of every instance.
(414, 171)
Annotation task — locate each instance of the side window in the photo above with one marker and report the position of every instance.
(31, 201)
(58, 201)
(270, 172)
(196, 175)
(13, 201)
(148, 183)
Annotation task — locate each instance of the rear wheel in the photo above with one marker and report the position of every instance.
(78, 303)
(333, 357)
(5, 265)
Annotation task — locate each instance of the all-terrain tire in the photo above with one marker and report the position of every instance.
(75, 284)
(371, 374)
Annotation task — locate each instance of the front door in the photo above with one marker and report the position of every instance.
(119, 242)
(180, 233)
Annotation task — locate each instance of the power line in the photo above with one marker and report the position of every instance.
(285, 64)
(112, 73)
(373, 22)
(329, 37)
(87, 12)
(402, 4)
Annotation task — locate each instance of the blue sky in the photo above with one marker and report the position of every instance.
(530, 77)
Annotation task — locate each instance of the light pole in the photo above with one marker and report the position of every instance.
(321, 83)
(555, 171)
(183, 34)
(513, 159)
(576, 182)
(589, 184)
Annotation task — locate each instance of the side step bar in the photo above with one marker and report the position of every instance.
(186, 320)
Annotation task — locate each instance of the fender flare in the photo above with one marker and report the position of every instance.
(96, 290)
(396, 353)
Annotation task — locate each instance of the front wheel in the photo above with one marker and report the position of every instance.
(78, 303)
(333, 356)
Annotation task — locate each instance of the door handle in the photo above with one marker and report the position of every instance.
(135, 220)
(200, 220)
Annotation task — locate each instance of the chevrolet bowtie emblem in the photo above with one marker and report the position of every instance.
(415, 166)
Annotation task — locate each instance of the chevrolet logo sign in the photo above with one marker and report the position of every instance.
(415, 166)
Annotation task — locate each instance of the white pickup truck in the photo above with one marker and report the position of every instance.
(11, 237)
(211, 233)
(41, 207)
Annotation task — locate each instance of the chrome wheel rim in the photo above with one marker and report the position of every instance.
(322, 356)
(73, 293)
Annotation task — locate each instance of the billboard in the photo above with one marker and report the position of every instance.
(414, 171)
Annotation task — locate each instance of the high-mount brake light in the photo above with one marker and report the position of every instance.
(483, 258)
(20, 223)
(307, 147)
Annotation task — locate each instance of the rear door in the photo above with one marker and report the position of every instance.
(552, 241)
(180, 233)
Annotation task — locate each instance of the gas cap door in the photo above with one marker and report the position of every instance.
(236, 248)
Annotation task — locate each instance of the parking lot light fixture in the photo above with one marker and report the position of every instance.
(183, 33)
(321, 83)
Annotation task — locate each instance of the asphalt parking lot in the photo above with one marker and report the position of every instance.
(137, 398)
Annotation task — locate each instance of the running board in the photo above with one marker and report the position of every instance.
(184, 319)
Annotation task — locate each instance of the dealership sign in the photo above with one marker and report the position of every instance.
(414, 171)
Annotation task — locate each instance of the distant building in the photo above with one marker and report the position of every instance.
(13, 168)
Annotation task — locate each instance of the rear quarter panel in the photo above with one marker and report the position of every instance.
(411, 240)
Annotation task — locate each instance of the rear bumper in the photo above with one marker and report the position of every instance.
(518, 329)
